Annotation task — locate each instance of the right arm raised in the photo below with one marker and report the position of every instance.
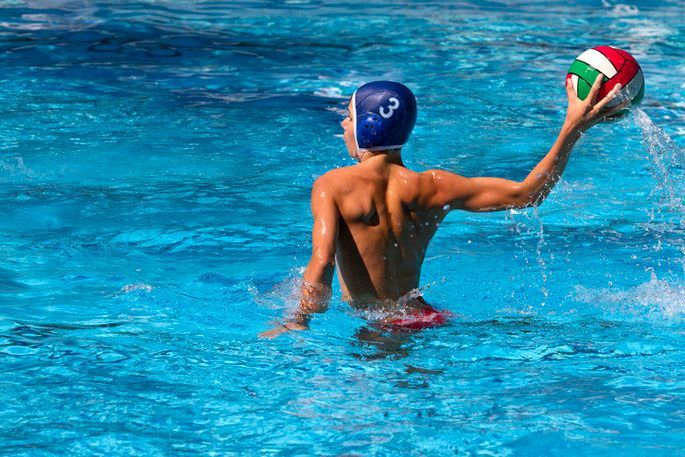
(494, 194)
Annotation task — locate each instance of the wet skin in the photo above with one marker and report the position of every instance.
(375, 219)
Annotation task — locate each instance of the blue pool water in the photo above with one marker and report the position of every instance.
(156, 159)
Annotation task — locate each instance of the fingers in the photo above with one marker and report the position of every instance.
(609, 114)
(569, 89)
(273, 333)
(610, 96)
(592, 96)
(623, 105)
(281, 328)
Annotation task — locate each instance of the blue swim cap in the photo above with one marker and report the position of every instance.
(384, 115)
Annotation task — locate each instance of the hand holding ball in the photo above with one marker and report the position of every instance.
(616, 66)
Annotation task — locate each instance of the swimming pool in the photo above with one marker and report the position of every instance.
(156, 160)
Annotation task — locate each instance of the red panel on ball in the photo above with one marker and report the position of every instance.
(627, 56)
(627, 73)
(606, 88)
(612, 54)
(624, 76)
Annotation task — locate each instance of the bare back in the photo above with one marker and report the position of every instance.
(384, 229)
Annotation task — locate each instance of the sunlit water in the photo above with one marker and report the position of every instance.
(156, 160)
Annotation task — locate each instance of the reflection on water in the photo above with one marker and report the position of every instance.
(375, 344)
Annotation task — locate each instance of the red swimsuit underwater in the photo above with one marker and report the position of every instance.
(419, 319)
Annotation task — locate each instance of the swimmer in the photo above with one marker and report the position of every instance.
(374, 219)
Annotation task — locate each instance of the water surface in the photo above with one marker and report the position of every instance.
(156, 160)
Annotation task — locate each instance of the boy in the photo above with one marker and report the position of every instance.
(375, 219)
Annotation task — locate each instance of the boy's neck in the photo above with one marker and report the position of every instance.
(387, 156)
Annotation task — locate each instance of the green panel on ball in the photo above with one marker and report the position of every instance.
(586, 77)
(584, 71)
(583, 89)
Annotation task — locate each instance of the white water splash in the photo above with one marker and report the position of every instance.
(14, 166)
(529, 223)
(284, 295)
(666, 157)
(656, 298)
(539, 254)
(621, 9)
(330, 92)
(667, 161)
(137, 286)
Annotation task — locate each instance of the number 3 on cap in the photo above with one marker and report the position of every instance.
(394, 104)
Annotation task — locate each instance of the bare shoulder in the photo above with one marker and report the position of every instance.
(333, 182)
(424, 177)
(437, 175)
(424, 181)
(435, 179)
(437, 187)
(409, 185)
